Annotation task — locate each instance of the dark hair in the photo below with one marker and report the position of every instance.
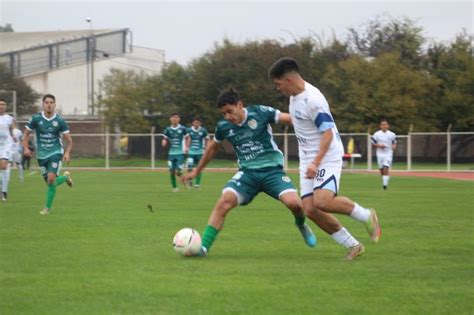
(283, 66)
(383, 120)
(196, 118)
(229, 96)
(49, 96)
(3, 100)
(174, 114)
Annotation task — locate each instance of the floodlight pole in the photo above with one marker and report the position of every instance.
(91, 59)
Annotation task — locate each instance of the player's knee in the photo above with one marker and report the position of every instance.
(294, 205)
(322, 204)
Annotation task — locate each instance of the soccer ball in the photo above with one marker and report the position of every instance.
(187, 242)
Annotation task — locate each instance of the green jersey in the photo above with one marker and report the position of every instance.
(198, 139)
(48, 134)
(252, 139)
(175, 136)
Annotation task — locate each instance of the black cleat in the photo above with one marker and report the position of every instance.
(384, 187)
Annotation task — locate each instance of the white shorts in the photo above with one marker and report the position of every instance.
(16, 158)
(328, 177)
(384, 160)
(5, 154)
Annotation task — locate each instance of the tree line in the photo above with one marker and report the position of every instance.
(384, 69)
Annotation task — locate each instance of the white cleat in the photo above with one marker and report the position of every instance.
(68, 178)
(45, 211)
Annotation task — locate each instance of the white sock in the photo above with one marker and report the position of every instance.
(385, 179)
(21, 172)
(6, 178)
(344, 238)
(360, 213)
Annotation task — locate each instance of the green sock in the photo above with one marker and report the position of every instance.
(209, 236)
(198, 179)
(173, 180)
(50, 195)
(299, 220)
(60, 180)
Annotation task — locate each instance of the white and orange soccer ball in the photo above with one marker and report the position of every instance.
(187, 242)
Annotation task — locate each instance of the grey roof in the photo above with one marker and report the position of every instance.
(12, 41)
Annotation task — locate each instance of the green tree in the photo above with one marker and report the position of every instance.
(26, 96)
(389, 35)
(124, 104)
(363, 91)
(6, 28)
(453, 65)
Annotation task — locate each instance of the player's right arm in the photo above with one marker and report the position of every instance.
(211, 150)
(375, 143)
(25, 143)
(164, 142)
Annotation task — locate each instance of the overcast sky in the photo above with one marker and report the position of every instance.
(187, 29)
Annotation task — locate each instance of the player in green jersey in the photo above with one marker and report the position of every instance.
(49, 127)
(196, 141)
(260, 164)
(174, 136)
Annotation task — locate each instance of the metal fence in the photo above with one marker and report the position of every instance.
(415, 151)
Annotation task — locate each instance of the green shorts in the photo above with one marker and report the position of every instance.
(175, 162)
(51, 164)
(193, 160)
(248, 183)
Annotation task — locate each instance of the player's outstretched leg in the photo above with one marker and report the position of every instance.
(226, 202)
(293, 202)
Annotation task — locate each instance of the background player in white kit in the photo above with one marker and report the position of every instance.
(320, 153)
(385, 141)
(17, 153)
(7, 124)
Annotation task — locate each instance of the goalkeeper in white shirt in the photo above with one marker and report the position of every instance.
(385, 141)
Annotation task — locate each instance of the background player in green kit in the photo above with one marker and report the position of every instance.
(197, 140)
(174, 135)
(49, 127)
(260, 164)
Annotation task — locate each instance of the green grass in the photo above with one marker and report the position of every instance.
(103, 252)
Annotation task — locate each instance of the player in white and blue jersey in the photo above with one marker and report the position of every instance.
(7, 124)
(320, 153)
(386, 142)
(17, 152)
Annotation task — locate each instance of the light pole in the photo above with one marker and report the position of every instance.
(90, 74)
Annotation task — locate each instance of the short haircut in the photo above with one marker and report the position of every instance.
(49, 96)
(174, 114)
(283, 66)
(3, 100)
(196, 118)
(383, 120)
(229, 96)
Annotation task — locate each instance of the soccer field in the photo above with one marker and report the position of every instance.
(102, 251)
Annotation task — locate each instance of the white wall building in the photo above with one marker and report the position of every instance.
(70, 64)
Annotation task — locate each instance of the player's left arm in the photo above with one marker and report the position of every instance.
(394, 143)
(12, 127)
(67, 150)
